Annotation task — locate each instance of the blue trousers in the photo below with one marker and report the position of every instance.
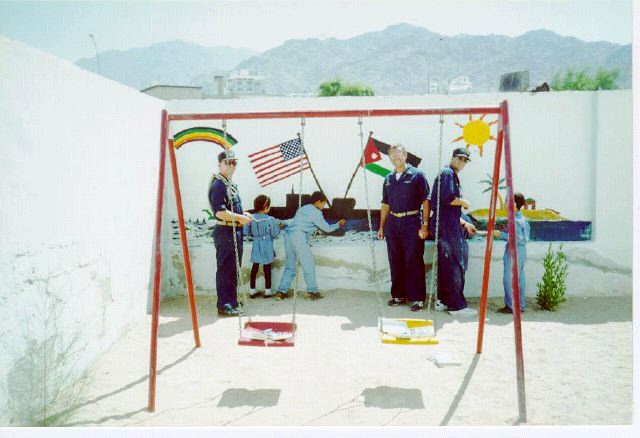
(297, 247)
(226, 279)
(406, 250)
(506, 276)
(451, 271)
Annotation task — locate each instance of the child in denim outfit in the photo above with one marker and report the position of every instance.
(522, 236)
(264, 229)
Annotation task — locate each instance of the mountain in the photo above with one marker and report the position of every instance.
(394, 61)
(171, 63)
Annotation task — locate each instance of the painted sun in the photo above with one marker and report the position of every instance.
(476, 132)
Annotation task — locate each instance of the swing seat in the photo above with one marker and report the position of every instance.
(267, 334)
(407, 331)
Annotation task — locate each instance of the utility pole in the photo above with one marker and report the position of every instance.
(95, 46)
(429, 61)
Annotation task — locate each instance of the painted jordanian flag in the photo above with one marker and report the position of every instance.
(373, 153)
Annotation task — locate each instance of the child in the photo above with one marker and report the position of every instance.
(522, 236)
(264, 229)
(296, 243)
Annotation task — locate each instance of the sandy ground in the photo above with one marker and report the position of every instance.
(578, 369)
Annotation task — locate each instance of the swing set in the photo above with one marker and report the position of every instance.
(391, 331)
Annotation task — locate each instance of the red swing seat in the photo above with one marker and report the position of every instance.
(267, 334)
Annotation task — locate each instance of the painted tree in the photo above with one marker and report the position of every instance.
(501, 186)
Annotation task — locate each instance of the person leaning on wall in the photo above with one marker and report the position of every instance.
(307, 219)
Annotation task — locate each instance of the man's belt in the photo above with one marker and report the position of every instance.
(405, 213)
(228, 223)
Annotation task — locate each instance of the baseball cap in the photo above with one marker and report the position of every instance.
(227, 154)
(461, 152)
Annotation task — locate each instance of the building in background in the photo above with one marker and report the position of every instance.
(461, 84)
(171, 92)
(515, 81)
(243, 83)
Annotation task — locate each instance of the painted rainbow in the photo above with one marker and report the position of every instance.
(212, 135)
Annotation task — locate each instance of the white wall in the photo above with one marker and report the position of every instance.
(78, 192)
(561, 153)
(552, 137)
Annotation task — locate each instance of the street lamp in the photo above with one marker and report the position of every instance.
(428, 62)
(95, 46)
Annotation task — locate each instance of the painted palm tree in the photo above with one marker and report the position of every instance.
(501, 186)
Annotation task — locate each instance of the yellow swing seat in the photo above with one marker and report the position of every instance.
(407, 331)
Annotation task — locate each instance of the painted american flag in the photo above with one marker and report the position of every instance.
(278, 162)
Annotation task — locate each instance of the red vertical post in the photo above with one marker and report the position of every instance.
(185, 247)
(153, 355)
(513, 254)
(489, 247)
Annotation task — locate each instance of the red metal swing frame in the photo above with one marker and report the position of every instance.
(503, 140)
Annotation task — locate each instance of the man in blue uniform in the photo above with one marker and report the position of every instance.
(403, 192)
(227, 208)
(453, 251)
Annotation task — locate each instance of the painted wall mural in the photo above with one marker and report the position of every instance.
(546, 224)
(476, 132)
(199, 133)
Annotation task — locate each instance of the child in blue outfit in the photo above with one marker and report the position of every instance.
(264, 229)
(296, 244)
(522, 236)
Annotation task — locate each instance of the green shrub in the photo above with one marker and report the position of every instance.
(336, 87)
(571, 79)
(552, 287)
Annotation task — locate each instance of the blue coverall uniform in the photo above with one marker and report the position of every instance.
(453, 250)
(223, 195)
(296, 245)
(522, 237)
(404, 247)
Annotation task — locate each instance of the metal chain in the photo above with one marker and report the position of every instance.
(230, 196)
(372, 236)
(434, 260)
(297, 276)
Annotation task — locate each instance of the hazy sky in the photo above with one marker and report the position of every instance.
(63, 28)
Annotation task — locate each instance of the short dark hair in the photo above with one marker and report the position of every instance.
(318, 196)
(519, 200)
(261, 202)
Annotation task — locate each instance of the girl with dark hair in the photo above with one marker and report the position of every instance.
(264, 229)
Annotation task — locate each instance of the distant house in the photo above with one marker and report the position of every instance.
(461, 84)
(171, 92)
(243, 83)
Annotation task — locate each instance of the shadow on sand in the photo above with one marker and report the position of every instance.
(361, 310)
(381, 397)
(126, 387)
(257, 400)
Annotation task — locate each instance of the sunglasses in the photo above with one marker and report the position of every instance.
(231, 162)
